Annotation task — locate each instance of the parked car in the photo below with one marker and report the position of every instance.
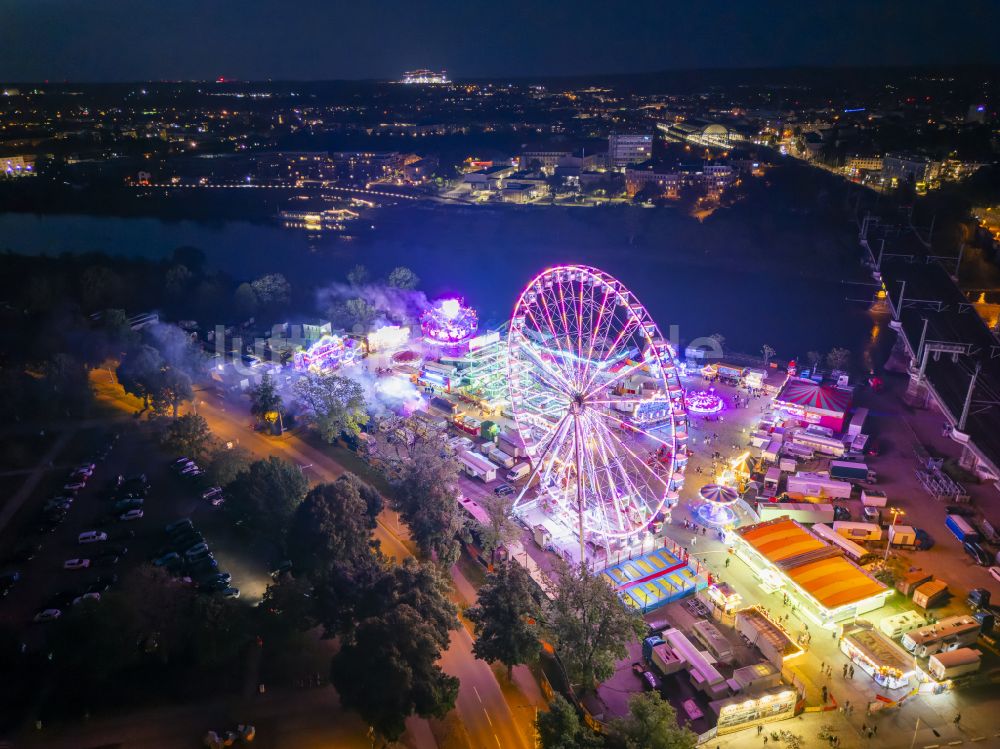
(978, 553)
(231, 593)
(504, 490)
(131, 515)
(649, 679)
(132, 503)
(841, 513)
(74, 486)
(95, 596)
(76, 564)
(924, 540)
(872, 514)
(178, 524)
(196, 549)
(212, 492)
(91, 537)
(171, 558)
(47, 615)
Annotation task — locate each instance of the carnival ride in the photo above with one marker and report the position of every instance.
(585, 362)
(704, 402)
(716, 510)
(327, 354)
(449, 322)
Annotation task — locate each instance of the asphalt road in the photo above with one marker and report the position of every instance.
(482, 706)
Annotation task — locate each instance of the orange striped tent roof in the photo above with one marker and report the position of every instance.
(833, 581)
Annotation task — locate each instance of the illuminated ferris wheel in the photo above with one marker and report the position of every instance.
(598, 403)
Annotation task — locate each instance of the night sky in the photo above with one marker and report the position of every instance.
(114, 40)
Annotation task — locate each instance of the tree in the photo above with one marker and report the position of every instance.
(425, 494)
(289, 602)
(500, 528)
(403, 278)
(265, 400)
(267, 495)
(651, 723)
(767, 352)
(838, 359)
(589, 625)
(332, 524)
(245, 300)
(506, 617)
(188, 435)
(361, 314)
(177, 279)
(138, 373)
(173, 387)
(389, 670)
(358, 275)
(334, 404)
(272, 289)
(226, 463)
(560, 727)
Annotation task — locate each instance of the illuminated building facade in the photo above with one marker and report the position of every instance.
(425, 77)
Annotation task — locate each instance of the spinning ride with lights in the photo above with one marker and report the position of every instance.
(704, 402)
(585, 362)
(716, 510)
(449, 322)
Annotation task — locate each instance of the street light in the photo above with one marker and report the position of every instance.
(896, 512)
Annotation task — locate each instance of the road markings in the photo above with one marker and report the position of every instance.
(477, 694)
(498, 741)
(488, 719)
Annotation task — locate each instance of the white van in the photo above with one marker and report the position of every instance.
(90, 537)
(519, 471)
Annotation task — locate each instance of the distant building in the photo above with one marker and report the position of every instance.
(487, 180)
(629, 148)
(544, 158)
(898, 168)
(366, 166)
(665, 180)
(420, 170)
(425, 77)
(17, 166)
(855, 165)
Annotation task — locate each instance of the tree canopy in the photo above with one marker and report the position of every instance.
(506, 617)
(560, 728)
(651, 723)
(589, 625)
(335, 405)
(424, 494)
(266, 496)
(188, 435)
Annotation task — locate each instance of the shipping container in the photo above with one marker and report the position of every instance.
(849, 470)
(903, 536)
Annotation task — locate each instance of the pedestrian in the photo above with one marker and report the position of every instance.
(822, 666)
(958, 718)
(833, 635)
(874, 729)
(845, 671)
(765, 739)
(864, 728)
(760, 729)
(851, 672)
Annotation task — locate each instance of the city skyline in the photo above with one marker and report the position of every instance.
(323, 41)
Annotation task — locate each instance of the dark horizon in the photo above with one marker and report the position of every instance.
(65, 40)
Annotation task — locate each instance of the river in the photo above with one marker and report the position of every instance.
(698, 277)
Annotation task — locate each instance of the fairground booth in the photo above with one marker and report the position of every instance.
(814, 403)
(825, 585)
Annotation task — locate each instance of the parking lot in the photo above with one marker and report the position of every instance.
(127, 524)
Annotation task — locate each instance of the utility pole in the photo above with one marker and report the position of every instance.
(902, 295)
(968, 398)
(920, 348)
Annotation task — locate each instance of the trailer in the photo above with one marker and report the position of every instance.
(805, 484)
(512, 444)
(873, 499)
(903, 536)
(857, 424)
(912, 580)
(477, 466)
(501, 458)
(770, 453)
(961, 528)
(801, 512)
(858, 531)
(930, 594)
(819, 443)
(771, 479)
(950, 633)
(850, 470)
(948, 665)
(900, 624)
(858, 554)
